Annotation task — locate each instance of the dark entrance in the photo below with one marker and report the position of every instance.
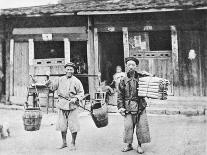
(111, 54)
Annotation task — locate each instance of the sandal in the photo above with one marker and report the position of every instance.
(127, 148)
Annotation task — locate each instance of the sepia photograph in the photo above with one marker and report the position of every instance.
(103, 77)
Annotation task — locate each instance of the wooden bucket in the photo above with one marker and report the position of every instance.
(99, 114)
(32, 119)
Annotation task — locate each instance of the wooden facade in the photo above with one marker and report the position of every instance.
(161, 41)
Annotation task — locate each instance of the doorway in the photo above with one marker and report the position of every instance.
(111, 54)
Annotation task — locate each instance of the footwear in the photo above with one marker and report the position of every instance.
(139, 150)
(127, 148)
(63, 146)
(72, 147)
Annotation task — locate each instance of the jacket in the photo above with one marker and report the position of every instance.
(128, 94)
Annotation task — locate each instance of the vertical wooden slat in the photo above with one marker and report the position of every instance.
(7, 71)
(200, 66)
(11, 67)
(125, 41)
(174, 42)
(67, 50)
(96, 50)
(96, 53)
(31, 56)
(31, 51)
(21, 68)
(1, 68)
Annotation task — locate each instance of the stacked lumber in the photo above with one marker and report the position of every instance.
(153, 87)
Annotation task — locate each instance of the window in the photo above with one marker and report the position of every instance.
(160, 40)
(48, 49)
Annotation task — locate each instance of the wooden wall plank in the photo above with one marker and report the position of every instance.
(1, 68)
(7, 70)
(67, 50)
(11, 67)
(96, 56)
(174, 39)
(125, 41)
(189, 70)
(21, 68)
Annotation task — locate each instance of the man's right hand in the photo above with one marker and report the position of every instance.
(122, 111)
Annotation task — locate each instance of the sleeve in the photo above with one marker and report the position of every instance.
(121, 95)
(79, 90)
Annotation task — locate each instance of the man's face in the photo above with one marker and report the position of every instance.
(69, 71)
(131, 65)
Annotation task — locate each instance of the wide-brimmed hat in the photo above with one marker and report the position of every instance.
(132, 59)
(70, 64)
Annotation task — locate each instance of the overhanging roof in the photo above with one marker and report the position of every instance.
(95, 7)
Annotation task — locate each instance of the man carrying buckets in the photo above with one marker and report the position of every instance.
(132, 107)
(70, 91)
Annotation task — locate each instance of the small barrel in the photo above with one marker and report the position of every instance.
(32, 119)
(99, 115)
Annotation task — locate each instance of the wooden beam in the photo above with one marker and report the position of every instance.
(11, 67)
(49, 30)
(125, 42)
(175, 67)
(7, 77)
(96, 54)
(55, 37)
(96, 50)
(91, 57)
(138, 11)
(1, 68)
(67, 50)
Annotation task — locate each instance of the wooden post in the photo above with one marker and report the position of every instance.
(1, 69)
(67, 50)
(7, 71)
(91, 57)
(31, 56)
(96, 64)
(11, 67)
(125, 43)
(175, 77)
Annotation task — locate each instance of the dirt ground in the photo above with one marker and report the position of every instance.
(171, 135)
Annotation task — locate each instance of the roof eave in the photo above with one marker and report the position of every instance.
(102, 12)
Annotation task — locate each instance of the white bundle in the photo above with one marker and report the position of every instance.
(153, 87)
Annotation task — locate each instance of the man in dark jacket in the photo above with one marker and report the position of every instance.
(132, 107)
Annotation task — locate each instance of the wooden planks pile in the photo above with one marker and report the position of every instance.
(153, 87)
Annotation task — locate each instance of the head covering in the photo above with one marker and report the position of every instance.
(132, 59)
(70, 64)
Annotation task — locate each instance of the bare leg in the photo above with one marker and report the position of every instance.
(74, 135)
(139, 149)
(63, 134)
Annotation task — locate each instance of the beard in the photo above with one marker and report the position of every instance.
(69, 74)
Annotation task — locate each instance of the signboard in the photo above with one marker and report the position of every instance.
(46, 37)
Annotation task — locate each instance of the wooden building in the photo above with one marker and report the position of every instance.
(168, 37)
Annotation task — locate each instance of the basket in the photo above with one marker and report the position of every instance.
(32, 118)
(99, 114)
